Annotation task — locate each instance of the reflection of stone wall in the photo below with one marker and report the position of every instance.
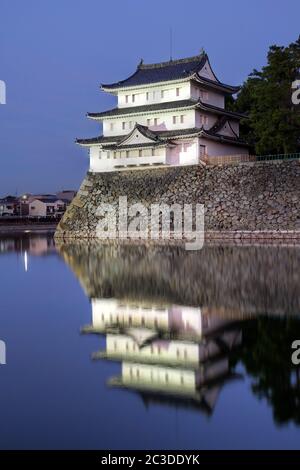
(231, 281)
(236, 197)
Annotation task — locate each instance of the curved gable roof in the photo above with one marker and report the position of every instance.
(161, 72)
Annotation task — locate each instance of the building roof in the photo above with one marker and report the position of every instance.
(168, 105)
(161, 72)
(181, 69)
(160, 137)
(105, 140)
(165, 106)
(49, 200)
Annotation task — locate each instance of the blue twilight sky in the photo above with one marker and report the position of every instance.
(55, 53)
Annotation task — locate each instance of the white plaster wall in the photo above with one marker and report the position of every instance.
(213, 97)
(218, 148)
(159, 351)
(211, 119)
(164, 122)
(207, 72)
(185, 150)
(154, 94)
(159, 377)
(110, 311)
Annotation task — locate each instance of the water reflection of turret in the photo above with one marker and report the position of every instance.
(168, 353)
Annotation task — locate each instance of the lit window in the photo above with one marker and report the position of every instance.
(182, 118)
(126, 98)
(155, 121)
(111, 126)
(133, 98)
(174, 119)
(123, 125)
(177, 91)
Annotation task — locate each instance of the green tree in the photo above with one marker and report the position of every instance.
(273, 124)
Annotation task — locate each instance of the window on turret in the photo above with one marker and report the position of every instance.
(123, 125)
(162, 94)
(155, 121)
(148, 122)
(133, 98)
(130, 124)
(126, 98)
(177, 91)
(147, 95)
(111, 126)
(202, 150)
(174, 119)
(182, 119)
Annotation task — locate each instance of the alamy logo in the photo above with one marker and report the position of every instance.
(296, 354)
(159, 221)
(296, 93)
(2, 352)
(2, 92)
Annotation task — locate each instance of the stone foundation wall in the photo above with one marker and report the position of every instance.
(242, 197)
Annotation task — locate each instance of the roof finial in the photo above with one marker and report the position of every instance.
(171, 43)
(141, 63)
(202, 51)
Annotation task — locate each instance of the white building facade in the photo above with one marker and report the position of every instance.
(170, 113)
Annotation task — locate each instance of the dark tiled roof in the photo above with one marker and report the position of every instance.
(166, 106)
(216, 109)
(161, 72)
(143, 130)
(207, 82)
(224, 138)
(118, 138)
(219, 124)
(145, 109)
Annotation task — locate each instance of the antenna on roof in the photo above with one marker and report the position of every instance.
(171, 43)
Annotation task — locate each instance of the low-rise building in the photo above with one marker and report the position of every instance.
(8, 206)
(43, 207)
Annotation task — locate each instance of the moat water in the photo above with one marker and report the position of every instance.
(134, 348)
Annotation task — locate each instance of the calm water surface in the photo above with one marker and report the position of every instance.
(160, 348)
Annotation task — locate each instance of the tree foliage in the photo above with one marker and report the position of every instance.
(273, 124)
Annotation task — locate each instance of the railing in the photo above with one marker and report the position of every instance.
(244, 158)
(279, 156)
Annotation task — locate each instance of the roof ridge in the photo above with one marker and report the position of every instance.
(158, 65)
